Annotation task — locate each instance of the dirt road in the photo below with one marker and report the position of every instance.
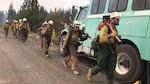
(25, 64)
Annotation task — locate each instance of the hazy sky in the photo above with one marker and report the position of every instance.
(4, 4)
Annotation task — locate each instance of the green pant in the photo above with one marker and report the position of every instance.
(106, 59)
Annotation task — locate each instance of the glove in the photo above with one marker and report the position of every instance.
(87, 35)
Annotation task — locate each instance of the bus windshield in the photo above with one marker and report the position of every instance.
(82, 14)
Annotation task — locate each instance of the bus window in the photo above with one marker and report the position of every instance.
(141, 4)
(148, 4)
(113, 5)
(122, 5)
(138, 4)
(94, 6)
(101, 6)
(98, 6)
(117, 5)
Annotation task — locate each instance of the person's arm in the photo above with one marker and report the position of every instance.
(66, 40)
(28, 27)
(103, 37)
(53, 34)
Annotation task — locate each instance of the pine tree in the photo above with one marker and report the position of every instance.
(11, 12)
(1, 16)
(33, 12)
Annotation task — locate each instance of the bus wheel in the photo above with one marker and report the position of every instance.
(129, 66)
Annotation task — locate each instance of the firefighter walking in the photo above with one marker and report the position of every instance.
(6, 27)
(41, 33)
(71, 43)
(107, 55)
(14, 28)
(24, 29)
(48, 35)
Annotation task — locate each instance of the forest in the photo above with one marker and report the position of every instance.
(37, 14)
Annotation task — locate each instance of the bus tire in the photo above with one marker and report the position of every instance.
(129, 67)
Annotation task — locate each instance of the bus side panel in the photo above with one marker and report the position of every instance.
(91, 28)
(135, 29)
(133, 26)
(149, 28)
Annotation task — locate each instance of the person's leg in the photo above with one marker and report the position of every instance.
(13, 33)
(110, 67)
(74, 60)
(41, 42)
(26, 34)
(23, 35)
(45, 44)
(102, 55)
(66, 60)
(48, 42)
(17, 33)
(6, 33)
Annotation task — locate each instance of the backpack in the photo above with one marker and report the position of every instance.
(95, 44)
(66, 49)
(43, 31)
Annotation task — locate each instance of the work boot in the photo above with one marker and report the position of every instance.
(41, 49)
(65, 64)
(47, 56)
(76, 72)
(89, 75)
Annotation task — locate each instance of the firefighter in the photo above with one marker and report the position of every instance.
(44, 25)
(71, 43)
(20, 25)
(107, 54)
(24, 29)
(17, 29)
(48, 34)
(6, 27)
(14, 28)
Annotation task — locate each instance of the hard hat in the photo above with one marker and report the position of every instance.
(44, 23)
(83, 25)
(115, 15)
(50, 22)
(14, 21)
(6, 20)
(24, 19)
(76, 23)
(20, 20)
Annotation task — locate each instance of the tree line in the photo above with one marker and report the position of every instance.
(37, 14)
